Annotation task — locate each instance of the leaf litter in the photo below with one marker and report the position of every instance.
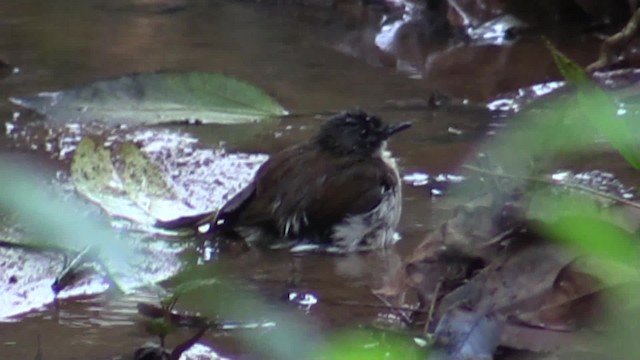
(545, 265)
(493, 276)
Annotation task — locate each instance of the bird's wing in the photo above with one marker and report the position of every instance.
(289, 195)
(232, 208)
(254, 204)
(357, 188)
(319, 197)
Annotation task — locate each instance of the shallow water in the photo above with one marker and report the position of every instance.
(293, 56)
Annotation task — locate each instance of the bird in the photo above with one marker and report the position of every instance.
(339, 190)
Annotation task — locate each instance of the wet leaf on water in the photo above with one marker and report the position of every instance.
(145, 184)
(95, 177)
(156, 98)
(158, 177)
(137, 193)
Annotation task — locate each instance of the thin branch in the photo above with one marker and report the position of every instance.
(72, 269)
(615, 42)
(178, 350)
(551, 182)
(432, 307)
(403, 316)
(385, 306)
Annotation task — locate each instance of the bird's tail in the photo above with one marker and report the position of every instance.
(192, 221)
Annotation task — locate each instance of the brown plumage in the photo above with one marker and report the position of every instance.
(307, 191)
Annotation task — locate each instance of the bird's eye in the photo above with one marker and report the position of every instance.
(364, 134)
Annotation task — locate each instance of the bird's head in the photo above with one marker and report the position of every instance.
(356, 133)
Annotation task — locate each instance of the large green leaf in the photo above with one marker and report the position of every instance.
(156, 98)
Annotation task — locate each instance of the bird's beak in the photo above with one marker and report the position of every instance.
(391, 130)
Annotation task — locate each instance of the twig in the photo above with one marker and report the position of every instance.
(403, 316)
(432, 307)
(178, 350)
(70, 272)
(616, 41)
(187, 320)
(550, 182)
(39, 351)
(467, 19)
(386, 306)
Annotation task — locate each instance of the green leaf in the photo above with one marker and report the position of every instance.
(159, 327)
(146, 186)
(598, 108)
(593, 232)
(156, 98)
(571, 71)
(94, 177)
(137, 193)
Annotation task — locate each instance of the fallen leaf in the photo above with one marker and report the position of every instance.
(151, 98)
(574, 300)
(524, 337)
(147, 187)
(159, 183)
(468, 335)
(95, 177)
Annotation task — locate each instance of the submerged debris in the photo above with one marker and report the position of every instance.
(496, 274)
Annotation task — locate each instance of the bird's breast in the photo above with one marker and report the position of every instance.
(374, 229)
